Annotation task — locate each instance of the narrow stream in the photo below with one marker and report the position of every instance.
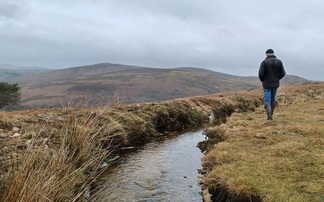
(164, 170)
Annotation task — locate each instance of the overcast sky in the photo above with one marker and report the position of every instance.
(229, 36)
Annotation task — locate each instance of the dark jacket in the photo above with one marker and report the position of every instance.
(271, 71)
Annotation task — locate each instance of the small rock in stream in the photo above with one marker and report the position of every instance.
(16, 135)
(127, 148)
(16, 129)
(3, 135)
(104, 165)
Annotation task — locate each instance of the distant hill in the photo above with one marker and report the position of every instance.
(254, 80)
(9, 72)
(101, 84)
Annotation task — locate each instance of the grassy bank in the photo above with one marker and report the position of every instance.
(251, 159)
(56, 154)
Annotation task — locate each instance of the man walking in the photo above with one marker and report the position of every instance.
(270, 72)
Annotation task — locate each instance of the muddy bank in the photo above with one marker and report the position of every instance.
(215, 135)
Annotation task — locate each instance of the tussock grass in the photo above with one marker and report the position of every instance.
(280, 160)
(58, 155)
(63, 172)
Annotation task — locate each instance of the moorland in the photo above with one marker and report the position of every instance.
(56, 153)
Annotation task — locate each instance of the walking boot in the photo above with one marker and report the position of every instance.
(273, 106)
(269, 112)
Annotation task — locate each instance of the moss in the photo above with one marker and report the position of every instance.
(245, 103)
(174, 118)
(214, 135)
(223, 111)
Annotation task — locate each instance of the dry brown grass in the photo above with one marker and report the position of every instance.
(58, 153)
(280, 160)
(62, 172)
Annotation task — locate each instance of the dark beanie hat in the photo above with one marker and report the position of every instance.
(269, 51)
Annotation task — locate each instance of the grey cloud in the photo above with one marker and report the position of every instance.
(229, 36)
(12, 9)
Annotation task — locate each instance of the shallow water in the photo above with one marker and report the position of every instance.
(164, 170)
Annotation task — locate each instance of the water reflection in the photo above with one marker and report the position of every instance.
(160, 171)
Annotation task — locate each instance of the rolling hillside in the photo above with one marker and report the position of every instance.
(99, 84)
(9, 72)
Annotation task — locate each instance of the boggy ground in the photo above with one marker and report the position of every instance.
(251, 159)
(57, 154)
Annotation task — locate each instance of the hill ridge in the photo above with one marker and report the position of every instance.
(100, 83)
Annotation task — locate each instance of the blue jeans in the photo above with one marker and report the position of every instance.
(270, 96)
